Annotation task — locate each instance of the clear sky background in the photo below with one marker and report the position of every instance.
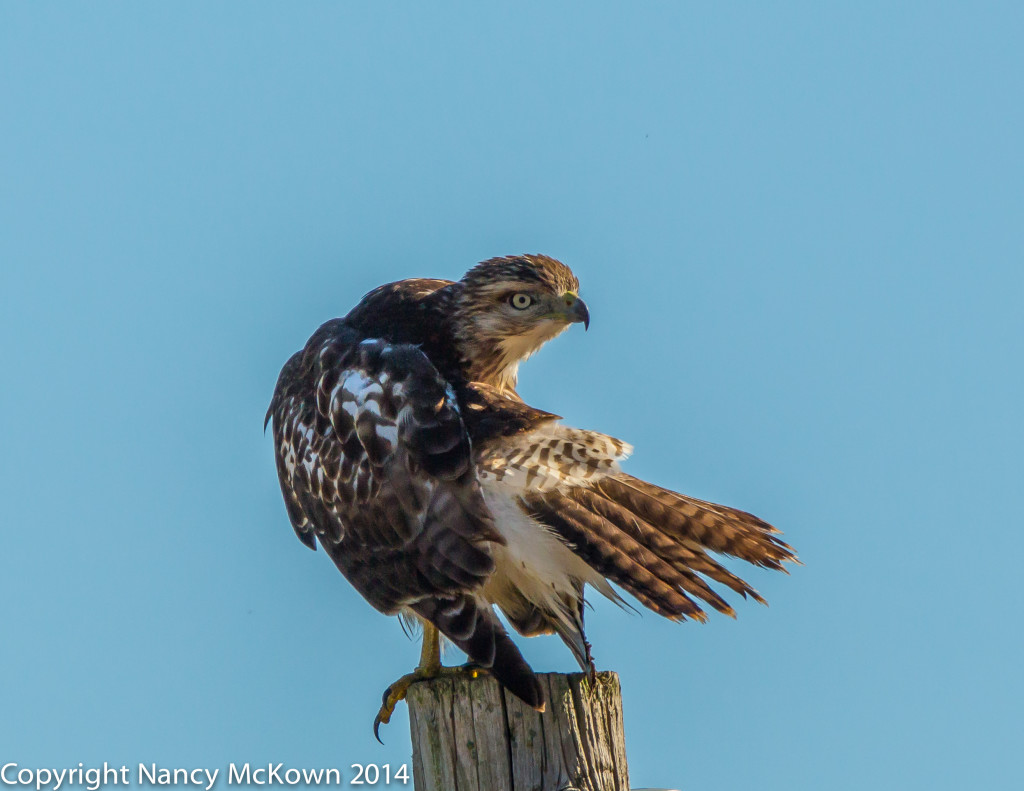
(800, 231)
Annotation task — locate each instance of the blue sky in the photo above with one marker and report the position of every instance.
(800, 231)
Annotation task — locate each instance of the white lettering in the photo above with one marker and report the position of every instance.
(98, 778)
(239, 778)
(92, 779)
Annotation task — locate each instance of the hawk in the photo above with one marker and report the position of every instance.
(405, 452)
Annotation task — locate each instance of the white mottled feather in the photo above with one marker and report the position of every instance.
(534, 562)
(551, 457)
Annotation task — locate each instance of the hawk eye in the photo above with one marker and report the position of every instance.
(520, 301)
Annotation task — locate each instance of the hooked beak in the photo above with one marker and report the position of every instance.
(576, 310)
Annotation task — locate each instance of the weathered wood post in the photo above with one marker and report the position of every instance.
(471, 735)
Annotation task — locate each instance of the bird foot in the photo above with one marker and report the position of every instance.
(392, 695)
(399, 689)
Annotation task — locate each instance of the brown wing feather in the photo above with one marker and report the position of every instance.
(653, 542)
(376, 465)
(375, 462)
(619, 556)
(699, 523)
(683, 558)
(667, 536)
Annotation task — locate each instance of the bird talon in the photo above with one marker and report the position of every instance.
(391, 698)
(397, 692)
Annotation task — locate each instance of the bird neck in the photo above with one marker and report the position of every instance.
(489, 363)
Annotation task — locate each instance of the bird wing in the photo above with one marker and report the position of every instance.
(375, 465)
(655, 543)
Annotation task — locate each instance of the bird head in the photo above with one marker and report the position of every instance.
(508, 308)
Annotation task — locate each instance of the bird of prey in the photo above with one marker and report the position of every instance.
(404, 450)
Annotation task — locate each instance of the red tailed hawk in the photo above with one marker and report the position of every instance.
(404, 450)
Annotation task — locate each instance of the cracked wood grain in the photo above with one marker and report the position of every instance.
(471, 735)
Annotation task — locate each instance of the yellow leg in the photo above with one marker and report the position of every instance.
(430, 652)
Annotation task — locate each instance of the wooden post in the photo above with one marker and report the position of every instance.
(471, 735)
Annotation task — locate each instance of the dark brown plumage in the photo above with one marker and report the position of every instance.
(403, 449)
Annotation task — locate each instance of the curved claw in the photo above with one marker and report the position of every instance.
(397, 691)
(383, 716)
(392, 695)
